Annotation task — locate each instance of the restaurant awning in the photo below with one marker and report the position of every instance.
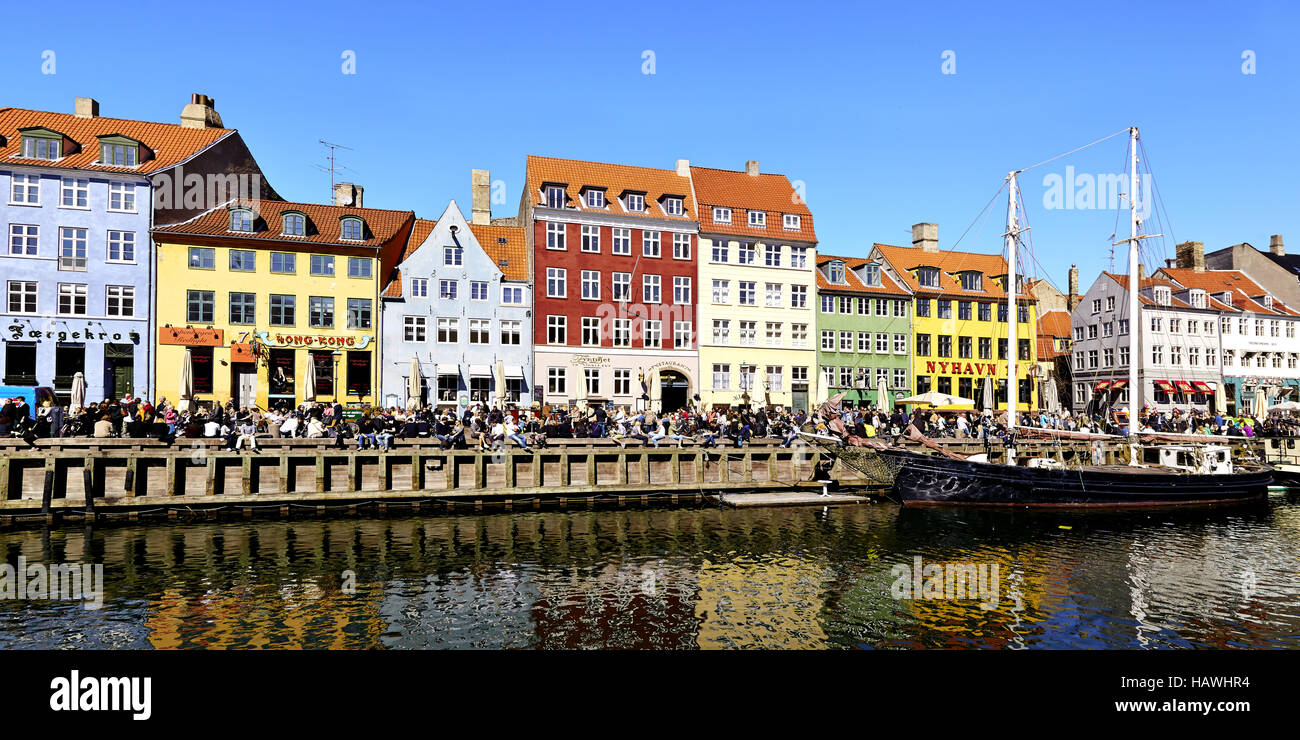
(1101, 386)
(514, 371)
(1184, 386)
(1165, 386)
(445, 369)
(480, 371)
(1118, 385)
(1202, 386)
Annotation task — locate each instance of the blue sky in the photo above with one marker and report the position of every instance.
(851, 99)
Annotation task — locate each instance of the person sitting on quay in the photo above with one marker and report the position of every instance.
(382, 431)
(512, 433)
(247, 433)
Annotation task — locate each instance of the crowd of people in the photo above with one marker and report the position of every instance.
(483, 426)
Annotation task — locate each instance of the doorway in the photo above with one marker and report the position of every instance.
(243, 384)
(674, 389)
(119, 369)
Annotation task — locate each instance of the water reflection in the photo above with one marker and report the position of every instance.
(676, 579)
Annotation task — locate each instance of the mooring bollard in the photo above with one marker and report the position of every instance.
(90, 491)
(48, 493)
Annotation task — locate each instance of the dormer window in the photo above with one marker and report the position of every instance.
(927, 277)
(241, 219)
(554, 196)
(42, 143)
(791, 221)
(836, 272)
(672, 206)
(721, 215)
(1226, 298)
(971, 280)
(1162, 295)
(758, 219)
(120, 151)
(1199, 299)
(595, 198)
(871, 273)
(635, 202)
(353, 229)
(1268, 302)
(295, 224)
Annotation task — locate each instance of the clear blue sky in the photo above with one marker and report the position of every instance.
(848, 98)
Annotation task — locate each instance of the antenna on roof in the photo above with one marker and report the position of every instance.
(333, 168)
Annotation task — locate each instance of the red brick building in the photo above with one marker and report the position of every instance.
(616, 290)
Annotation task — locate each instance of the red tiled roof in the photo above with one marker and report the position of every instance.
(615, 179)
(907, 259)
(1047, 348)
(1054, 323)
(324, 224)
(1174, 302)
(742, 192)
(1235, 282)
(170, 143)
(854, 284)
(513, 251)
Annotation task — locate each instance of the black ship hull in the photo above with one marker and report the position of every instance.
(932, 480)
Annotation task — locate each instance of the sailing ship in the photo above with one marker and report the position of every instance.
(1160, 471)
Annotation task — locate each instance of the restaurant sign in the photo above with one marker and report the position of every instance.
(191, 337)
(312, 340)
(20, 331)
(962, 368)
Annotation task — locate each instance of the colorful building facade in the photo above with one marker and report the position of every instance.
(864, 331)
(274, 303)
(757, 270)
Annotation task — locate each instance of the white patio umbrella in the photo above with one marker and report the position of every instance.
(988, 395)
(309, 380)
(935, 398)
(1053, 403)
(500, 380)
(1261, 402)
(1286, 406)
(78, 391)
(186, 384)
(882, 395)
(580, 387)
(414, 384)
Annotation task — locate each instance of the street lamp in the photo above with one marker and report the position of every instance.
(337, 354)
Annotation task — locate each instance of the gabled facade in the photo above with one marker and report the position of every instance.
(458, 304)
(960, 326)
(614, 250)
(758, 259)
(273, 303)
(80, 193)
(864, 330)
(1274, 270)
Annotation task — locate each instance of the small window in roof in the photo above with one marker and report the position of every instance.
(972, 280)
(673, 206)
(352, 228)
(836, 272)
(636, 202)
(928, 276)
(241, 219)
(595, 198)
(39, 146)
(119, 155)
(295, 224)
(871, 273)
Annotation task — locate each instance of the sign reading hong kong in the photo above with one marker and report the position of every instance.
(962, 368)
(312, 340)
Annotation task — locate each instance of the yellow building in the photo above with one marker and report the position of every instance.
(960, 326)
(274, 303)
(758, 290)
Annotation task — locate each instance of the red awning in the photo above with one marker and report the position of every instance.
(1202, 387)
(1101, 386)
(1118, 385)
(1165, 386)
(1184, 386)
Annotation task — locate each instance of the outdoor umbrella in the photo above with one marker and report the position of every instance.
(1261, 402)
(309, 380)
(580, 387)
(882, 394)
(500, 380)
(1053, 403)
(78, 391)
(1286, 406)
(413, 384)
(988, 395)
(187, 383)
(935, 398)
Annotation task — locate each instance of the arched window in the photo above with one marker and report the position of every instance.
(241, 219)
(295, 224)
(353, 228)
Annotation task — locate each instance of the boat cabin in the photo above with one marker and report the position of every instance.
(1206, 459)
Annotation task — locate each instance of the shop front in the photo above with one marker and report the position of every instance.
(1254, 394)
(633, 380)
(111, 357)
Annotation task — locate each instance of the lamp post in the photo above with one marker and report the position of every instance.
(336, 354)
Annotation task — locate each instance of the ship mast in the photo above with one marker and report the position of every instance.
(1134, 286)
(1013, 230)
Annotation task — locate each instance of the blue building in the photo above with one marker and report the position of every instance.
(458, 303)
(77, 265)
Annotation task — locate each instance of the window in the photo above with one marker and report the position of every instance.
(985, 311)
(478, 290)
(1123, 356)
(449, 331)
(864, 342)
(682, 334)
(747, 253)
(748, 334)
(772, 255)
(945, 308)
(419, 287)
(241, 260)
(121, 197)
(722, 292)
(798, 296)
(985, 348)
(556, 285)
(554, 196)
(681, 246)
(622, 286)
(799, 257)
(1092, 359)
(923, 307)
(846, 341)
(622, 241)
(721, 377)
(772, 294)
(284, 310)
(25, 189)
(721, 215)
(591, 376)
(799, 335)
(900, 344)
(652, 334)
(828, 340)
(650, 289)
(22, 296)
(321, 264)
(352, 229)
(636, 202)
(773, 380)
(556, 378)
(721, 331)
(681, 290)
(295, 224)
(1096, 305)
(721, 253)
(511, 332)
(590, 331)
(243, 308)
(590, 239)
(284, 262)
(923, 345)
(773, 334)
(900, 378)
(1108, 329)
(453, 256)
(971, 280)
(650, 244)
(791, 221)
(758, 219)
(882, 343)
(480, 331)
(358, 313)
(590, 285)
(241, 220)
(557, 330)
(448, 289)
(555, 236)
(748, 293)
(622, 332)
(835, 272)
(512, 295)
(75, 192)
(24, 240)
(928, 277)
(595, 198)
(945, 345)
(72, 249)
(200, 306)
(1157, 354)
(72, 299)
(673, 206)
(963, 310)
(828, 303)
(359, 267)
(320, 312)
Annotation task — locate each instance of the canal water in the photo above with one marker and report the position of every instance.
(681, 578)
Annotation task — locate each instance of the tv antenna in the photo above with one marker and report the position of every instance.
(334, 168)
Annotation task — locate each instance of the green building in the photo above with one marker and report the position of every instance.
(864, 334)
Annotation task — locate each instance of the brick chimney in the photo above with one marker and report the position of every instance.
(1191, 255)
(201, 112)
(684, 167)
(86, 108)
(1275, 245)
(926, 236)
(751, 168)
(480, 197)
(1072, 299)
(347, 194)
(1142, 274)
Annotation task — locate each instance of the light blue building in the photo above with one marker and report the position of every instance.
(77, 264)
(458, 304)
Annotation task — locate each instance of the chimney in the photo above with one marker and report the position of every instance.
(926, 236)
(480, 197)
(1142, 274)
(1191, 254)
(201, 112)
(1072, 300)
(684, 167)
(88, 108)
(1275, 245)
(751, 168)
(347, 194)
